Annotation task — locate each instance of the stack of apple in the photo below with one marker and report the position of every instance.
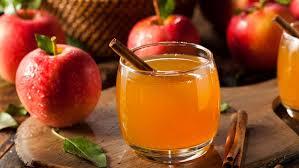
(58, 84)
(251, 36)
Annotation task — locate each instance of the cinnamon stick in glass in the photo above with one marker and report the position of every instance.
(286, 26)
(121, 50)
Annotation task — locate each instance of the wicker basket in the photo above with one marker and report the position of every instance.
(96, 22)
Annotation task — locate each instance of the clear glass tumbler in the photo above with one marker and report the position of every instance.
(169, 115)
(288, 72)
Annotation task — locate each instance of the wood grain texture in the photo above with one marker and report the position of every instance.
(11, 160)
(7, 145)
(7, 96)
(270, 140)
(8, 157)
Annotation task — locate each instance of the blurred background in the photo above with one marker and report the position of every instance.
(91, 25)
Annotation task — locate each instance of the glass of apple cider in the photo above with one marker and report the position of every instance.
(288, 72)
(170, 115)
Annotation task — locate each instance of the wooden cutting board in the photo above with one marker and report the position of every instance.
(270, 139)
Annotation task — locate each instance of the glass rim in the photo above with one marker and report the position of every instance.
(206, 51)
(285, 33)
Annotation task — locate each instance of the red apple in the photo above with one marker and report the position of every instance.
(17, 37)
(174, 28)
(59, 90)
(294, 8)
(219, 13)
(253, 38)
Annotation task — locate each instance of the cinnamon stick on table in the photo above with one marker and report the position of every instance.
(230, 134)
(238, 163)
(234, 149)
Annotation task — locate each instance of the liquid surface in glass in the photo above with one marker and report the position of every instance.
(169, 111)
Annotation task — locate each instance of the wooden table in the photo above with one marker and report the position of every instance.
(8, 156)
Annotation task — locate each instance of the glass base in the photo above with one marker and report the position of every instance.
(174, 156)
(293, 113)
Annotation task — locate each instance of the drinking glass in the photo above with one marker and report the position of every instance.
(288, 72)
(169, 115)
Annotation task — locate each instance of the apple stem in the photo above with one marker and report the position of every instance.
(15, 10)
(157, 11)
(54, 46)
(25, 8)
(26, 13)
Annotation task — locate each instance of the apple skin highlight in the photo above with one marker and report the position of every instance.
(294, 8)
(59, 90)
(17, 38)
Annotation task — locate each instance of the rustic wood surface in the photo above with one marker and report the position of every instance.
(270, 141)
(228, 71)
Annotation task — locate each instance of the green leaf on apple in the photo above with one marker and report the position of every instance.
(83, 148)
(7, 121)
(11, 6)
(2, 6)
(45, 43)
(166, 8)
(31, 4)
(283, 2)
